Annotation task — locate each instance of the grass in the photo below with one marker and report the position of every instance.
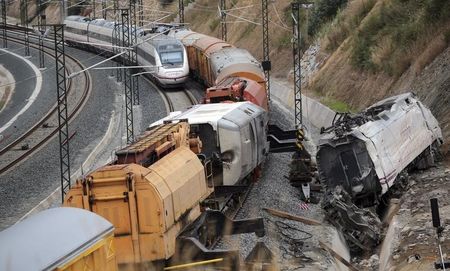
(345, 22)
(337, 105)
(213, 24)
(395, 34)
(284, 41)
(248, 30)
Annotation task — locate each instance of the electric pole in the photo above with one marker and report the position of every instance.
(266, 64)
(223, 19)
(61, 87)
(24, 21)
(41, 28)
(4, 36)
(126, 39)
(181, 11)
(301, 167)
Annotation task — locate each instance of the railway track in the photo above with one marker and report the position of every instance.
(44, 130)
(175, 99)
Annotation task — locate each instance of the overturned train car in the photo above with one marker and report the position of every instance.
(366, 153)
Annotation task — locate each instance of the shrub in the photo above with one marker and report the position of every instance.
(213, 24)
(323, 11)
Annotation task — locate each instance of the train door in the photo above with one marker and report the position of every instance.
(112, 197)
(248, 149)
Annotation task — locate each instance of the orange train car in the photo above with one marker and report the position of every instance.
(230, 73)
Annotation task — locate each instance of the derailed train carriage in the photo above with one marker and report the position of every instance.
(154, 194)
(59, 239)
(363, 157)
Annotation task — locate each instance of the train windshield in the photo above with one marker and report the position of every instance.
(171, 58)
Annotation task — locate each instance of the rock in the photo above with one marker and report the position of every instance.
(406, 229)
(412, 259)
(364, 263)
(410, 233)
(396, 257)
(374, 260)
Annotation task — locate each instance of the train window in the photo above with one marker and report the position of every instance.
(172, 58)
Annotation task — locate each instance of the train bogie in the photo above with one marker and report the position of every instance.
(147, 206)
(59, 239)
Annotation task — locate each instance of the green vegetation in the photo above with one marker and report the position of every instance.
(389, 37)
(284, 41)
(248, 30)
(213, 24)
(345, 23)
(336, 105)
(323, 11)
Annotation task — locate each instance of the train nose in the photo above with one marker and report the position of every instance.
(173, 74)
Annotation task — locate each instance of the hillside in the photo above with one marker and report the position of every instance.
(366, 49)
(369, 49)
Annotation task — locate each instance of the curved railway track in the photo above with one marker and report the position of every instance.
(42, 132)
(175, 99)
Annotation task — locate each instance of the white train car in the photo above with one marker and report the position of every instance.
(233, 136)
(59, 239)
(163, 57)
(365, 154)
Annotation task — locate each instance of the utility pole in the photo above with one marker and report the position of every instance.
(41, 28)
(24, 21)
(4, 36)
(93, 9)
(181, 11)
(297, 56)
(223, 19)
(266, 64)
(141, 12)
(301, 167)
(104, 9)
(63, 10)
(133, 53)
(126, 40)
(116, 38)
(61, 87)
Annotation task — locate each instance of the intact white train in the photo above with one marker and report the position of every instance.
(162, 56)
(366, 153)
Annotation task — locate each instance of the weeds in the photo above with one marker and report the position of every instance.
(337, 105)
(213, 24)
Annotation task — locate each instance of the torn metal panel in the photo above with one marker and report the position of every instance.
(366, 152)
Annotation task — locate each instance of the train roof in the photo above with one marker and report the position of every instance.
(379, 115)
(165, 43)
(50, 238)
(210, 113)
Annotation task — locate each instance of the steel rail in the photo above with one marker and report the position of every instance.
(75, 110)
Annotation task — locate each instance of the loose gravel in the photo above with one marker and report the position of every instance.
(44, 101)
(32, 181)
(273, 190)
